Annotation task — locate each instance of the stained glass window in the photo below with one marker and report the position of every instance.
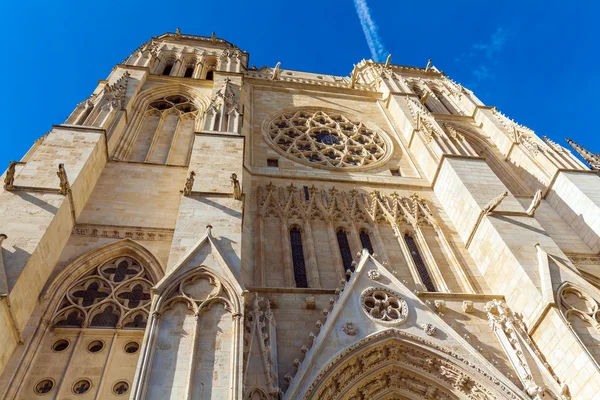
(298, 258)
(421, 268)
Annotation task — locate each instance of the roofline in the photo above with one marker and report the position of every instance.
(212, 40)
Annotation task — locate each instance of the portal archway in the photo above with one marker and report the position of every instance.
(397, 365)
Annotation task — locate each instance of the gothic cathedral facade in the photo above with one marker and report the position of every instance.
(201, 229)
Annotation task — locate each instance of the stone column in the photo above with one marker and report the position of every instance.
(288, 268)
(379, 244)
(408, 257)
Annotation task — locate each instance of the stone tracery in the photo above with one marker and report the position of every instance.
(384, 305)
(115, 294)
(365, 372)
(326, 140)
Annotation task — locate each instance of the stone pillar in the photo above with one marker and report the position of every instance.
(288, 268)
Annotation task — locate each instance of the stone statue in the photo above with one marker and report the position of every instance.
(9, 179)
(65, 188)
(189, 184)
(535, 203)
(237, 191)
(491, 206)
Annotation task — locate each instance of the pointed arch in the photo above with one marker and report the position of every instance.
(121, 148)
(191, 307)
(125, 247)
(505, 171)
(56, 311)
(395, 361)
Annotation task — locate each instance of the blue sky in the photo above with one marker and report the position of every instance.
(534, 60)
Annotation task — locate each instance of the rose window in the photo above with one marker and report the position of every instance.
(384, 306)
(327, 140)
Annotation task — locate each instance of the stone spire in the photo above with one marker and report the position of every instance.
(592, 159)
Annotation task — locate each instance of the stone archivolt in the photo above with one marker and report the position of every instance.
(390, 359)
(327, 139)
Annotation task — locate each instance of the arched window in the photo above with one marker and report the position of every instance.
(342, 238)
(298, 257)
(450, 108)
(166, 132)
(365, 240)
(210, 75)
(189, 71)
(417, 90)
(112, 296)
(420, 264)
(168, 68)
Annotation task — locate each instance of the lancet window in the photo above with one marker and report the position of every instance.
(166, 132)
(346, 253)
(434, 99)
(189, 71)
(168, 69)
(365, 240)
(298, 257)
(419, 263)
(582, 311)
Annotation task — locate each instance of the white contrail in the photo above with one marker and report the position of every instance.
(378, 51)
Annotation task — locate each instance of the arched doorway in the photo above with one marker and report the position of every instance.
(394, 364)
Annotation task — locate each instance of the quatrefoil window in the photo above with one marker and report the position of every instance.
(384, 306)
(327, 139)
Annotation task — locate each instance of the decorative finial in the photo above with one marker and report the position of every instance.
(178, 32)
(428, 67)
(354, 77)
(209, 230)
(591, 158)
(213, 38)
(276, 72)
(388, 60)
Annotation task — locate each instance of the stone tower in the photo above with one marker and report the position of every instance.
(199, 229)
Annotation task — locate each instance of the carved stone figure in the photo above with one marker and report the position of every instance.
(237, 190)
(189, 184)
(65, 188)
(535, 203)
(350, 328)
(9, 179)
(495, 202)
